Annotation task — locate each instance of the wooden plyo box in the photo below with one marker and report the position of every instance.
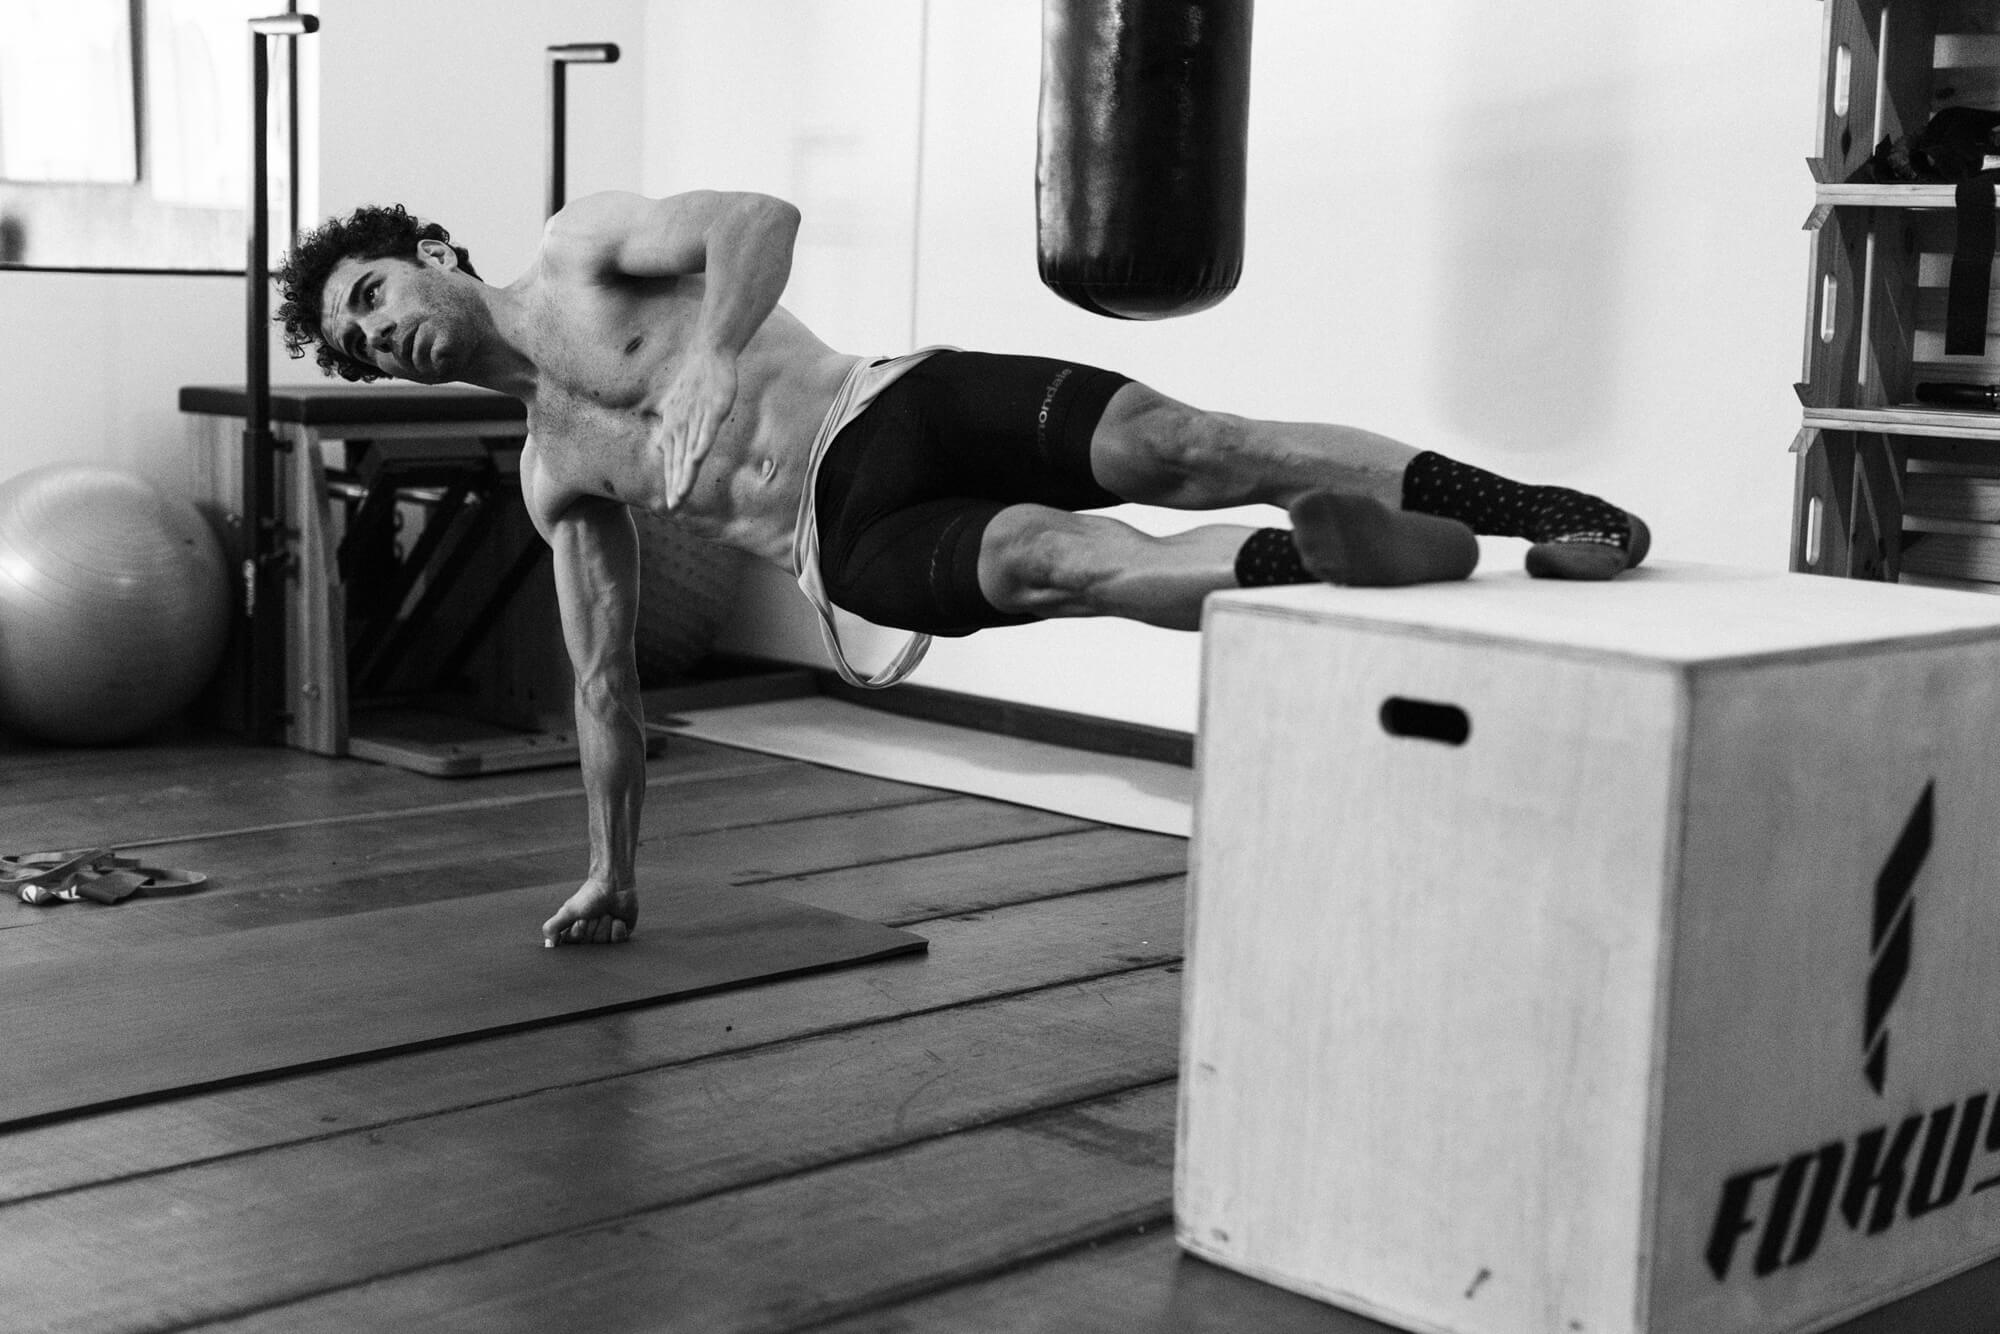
(1596, 959)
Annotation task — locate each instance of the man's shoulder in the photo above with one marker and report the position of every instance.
(595, 220)
(579, 240)
(550, 496)
(540, 494)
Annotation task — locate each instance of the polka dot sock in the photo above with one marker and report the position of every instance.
(1345, 539)
(1575, 536)
(1268, 557)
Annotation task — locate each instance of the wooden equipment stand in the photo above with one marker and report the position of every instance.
(419, 610)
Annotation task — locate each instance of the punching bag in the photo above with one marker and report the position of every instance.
(1139, 168)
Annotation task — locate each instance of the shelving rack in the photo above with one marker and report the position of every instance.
(1887, 487)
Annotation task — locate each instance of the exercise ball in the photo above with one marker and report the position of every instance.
(114, 604)
(687, 590)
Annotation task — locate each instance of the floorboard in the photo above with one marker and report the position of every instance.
(54, 798)
(183, 1015)
(446, 858)
(1004, 870)
(248, 1232)
(297, 854)
(783, 1254)
(1136, 1284)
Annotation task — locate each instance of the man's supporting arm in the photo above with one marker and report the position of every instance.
(596, 551)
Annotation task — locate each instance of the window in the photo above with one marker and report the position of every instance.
(125, 131)
(68, 92)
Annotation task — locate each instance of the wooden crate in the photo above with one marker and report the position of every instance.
(1887, 65)
(1882, 252)
(1613, 958)
(1847, 516)
(1878, 299)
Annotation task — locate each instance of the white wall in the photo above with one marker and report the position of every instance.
(90, 365)
(440, 107)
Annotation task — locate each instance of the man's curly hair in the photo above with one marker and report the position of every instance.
(370, 232)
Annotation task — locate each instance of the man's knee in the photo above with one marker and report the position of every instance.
(1040, 562)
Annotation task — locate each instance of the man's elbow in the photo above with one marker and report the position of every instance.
(775, 214)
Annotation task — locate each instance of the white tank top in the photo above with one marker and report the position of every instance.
(865, 379)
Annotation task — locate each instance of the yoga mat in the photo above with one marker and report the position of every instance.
(139, 1022)
(1110, 789)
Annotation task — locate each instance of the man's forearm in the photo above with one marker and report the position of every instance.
(611, 741)
(749, 262)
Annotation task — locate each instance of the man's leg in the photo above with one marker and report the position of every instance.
(1155, 450)
(1043, 562)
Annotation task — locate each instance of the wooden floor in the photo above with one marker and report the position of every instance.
(980, 1139)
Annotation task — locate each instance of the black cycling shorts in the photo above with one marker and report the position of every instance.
(907, 488)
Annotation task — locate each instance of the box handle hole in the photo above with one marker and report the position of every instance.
(1425, 720)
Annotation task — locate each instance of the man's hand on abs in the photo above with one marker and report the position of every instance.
(596, 914)
(697, 403)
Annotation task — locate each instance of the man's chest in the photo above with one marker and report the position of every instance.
(593, 447)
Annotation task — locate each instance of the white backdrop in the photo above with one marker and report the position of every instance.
(1556, 238)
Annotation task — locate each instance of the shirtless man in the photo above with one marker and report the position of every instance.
(937, 493)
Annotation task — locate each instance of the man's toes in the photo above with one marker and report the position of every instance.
(1579, 557)
(1576, 560)
(1641, 543)
(1351, 539)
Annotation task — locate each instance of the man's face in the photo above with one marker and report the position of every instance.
(413, 319)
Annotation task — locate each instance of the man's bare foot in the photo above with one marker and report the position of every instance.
(1349, 539)
(595, 914)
